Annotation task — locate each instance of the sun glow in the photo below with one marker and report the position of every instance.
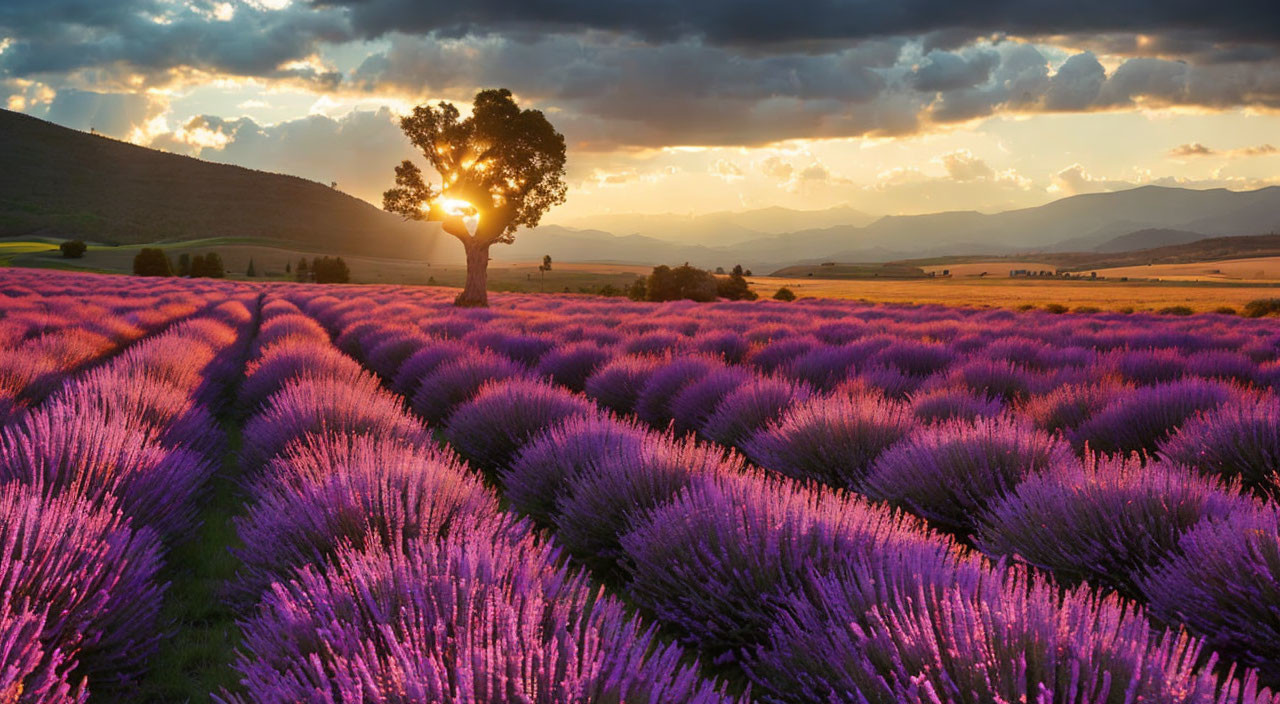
(456, 207)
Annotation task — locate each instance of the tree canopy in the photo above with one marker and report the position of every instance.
(505, 162)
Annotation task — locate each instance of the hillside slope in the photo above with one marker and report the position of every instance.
(60, 182)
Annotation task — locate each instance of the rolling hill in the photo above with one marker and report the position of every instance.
(1149, 238)
(60, 182)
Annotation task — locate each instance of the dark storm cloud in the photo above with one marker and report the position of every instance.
(613, 92)
(771, 21)
(645, 73)
(60, 36)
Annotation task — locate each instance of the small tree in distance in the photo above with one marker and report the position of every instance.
(543, 269)
(152, 261)
(251, 271)
(784, 294)
(73, 249)
(500, 169)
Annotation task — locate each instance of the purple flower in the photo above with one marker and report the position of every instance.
(320, 407)
(489, 429)
(693, 405)
(954, 403)
(750, 408)
(833, 439)
(455, 382)
(907, 631)
(290, 360)
(915, 358)
(1240, 439)
(1067, 407)
(352, 490)
(1224, 583)
(717, 562)
(617, 384)
(1143, 418)
(1152, 366)
(570, 366)
(1106, 521)
(396, 346)
(619, 484)
(949, 473)
(473, 618)
(33, 672)
(61, 448)
(94, 576)
(426, 360)
(780, 352)
(653, 405)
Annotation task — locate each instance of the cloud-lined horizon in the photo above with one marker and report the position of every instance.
(309, 87)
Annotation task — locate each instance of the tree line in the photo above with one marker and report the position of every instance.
(153, 261)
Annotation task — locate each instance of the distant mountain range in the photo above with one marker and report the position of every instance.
(60, 182)
(724, 228)
(1140, 218)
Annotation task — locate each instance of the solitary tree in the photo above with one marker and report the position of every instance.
(500, 169)
(252, 271)
(543, 269)
(73, 249)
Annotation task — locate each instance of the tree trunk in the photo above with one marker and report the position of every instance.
(476, 292)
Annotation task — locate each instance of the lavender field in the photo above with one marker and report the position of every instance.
(575, 499)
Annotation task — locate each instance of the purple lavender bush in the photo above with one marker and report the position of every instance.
(424, 361)
(693, 405)
(570, 366)
(750, 408)
(1067, 407)
(832, 439)
(653, 405)
(356, 491)
(33, 672)
(1224, 583)
(490, 428)
(468, 619)
(717, 562)
(949, 473)
(287, 361)
(953, 403)
(60, 448)
(1106, 521)
(616, 385)
(319, 407)
(973, 637)
(544, 469)
(455, 382)
(94, 576)
(1239, 440)
(1140, 420)
(619, 485)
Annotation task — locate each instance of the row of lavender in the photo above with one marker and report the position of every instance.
(976, 457)
(54, 325)
(377, 568)
(97, 484)
(813, 594)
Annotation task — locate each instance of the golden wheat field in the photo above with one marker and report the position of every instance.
(1013, 293)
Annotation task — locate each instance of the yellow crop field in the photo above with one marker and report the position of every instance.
(1013, 293)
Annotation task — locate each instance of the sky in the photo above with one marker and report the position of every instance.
(688, 106)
